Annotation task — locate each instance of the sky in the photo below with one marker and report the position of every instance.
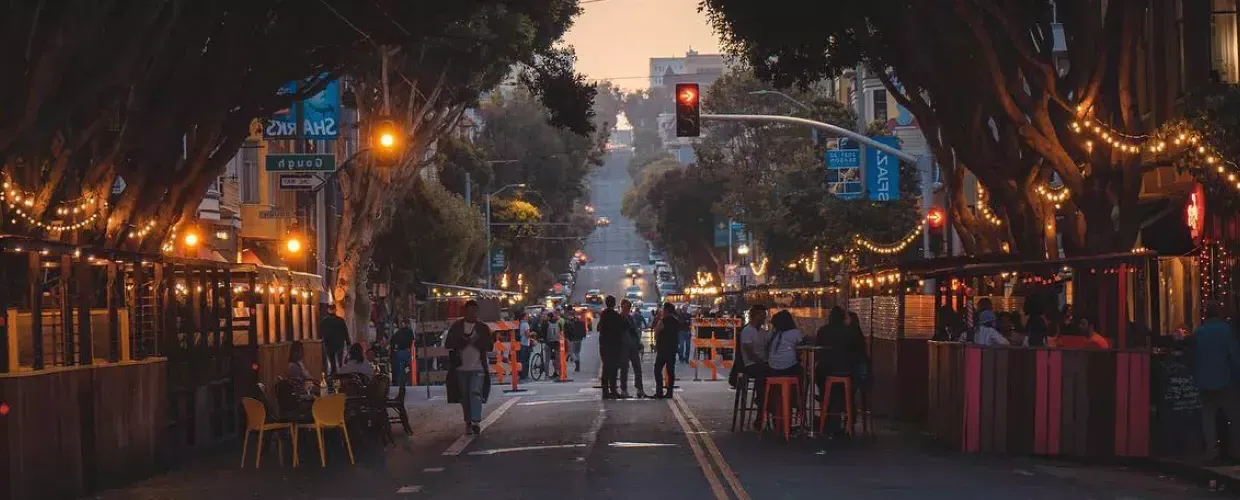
(615, 39)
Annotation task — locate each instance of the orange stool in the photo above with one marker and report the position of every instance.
(848, 404)
(787, 387)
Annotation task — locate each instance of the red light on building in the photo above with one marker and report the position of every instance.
(4, 409)
(1194, 213)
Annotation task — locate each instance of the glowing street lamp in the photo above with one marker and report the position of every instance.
(191, 239)
(742, 250)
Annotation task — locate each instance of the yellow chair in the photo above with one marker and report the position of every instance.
(328, 413)
(256, 421)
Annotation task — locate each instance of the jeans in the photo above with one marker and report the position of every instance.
(471, 395)
(1227, 400)
(664, 360)
(684, 347)
(402, 359)
(574, 351)
(334, 357)
(612, 358)
(632, 356)
(523, 357)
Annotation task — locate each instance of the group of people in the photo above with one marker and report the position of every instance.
(772, 351)
(619, 334)
(989, 327)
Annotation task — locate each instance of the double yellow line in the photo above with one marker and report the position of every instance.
(714, 466)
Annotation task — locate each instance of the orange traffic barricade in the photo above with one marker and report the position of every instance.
(712, 346)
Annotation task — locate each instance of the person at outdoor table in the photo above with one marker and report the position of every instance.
(1035, 324)
(843, 355)
(1217, 363)
(470, 341)
(296, 365)
(1092, 337)
(986, 332)
(1067, 321)
(781, 353)
(752, 356)
(357, 363)
(402, 353)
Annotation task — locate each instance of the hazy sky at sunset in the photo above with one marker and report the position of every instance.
(615, 39)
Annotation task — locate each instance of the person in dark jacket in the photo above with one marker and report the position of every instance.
(632, 353)
(666, 344)
(335, 335)
(470, 340)
(402, 353)
(843, 355)
(612, 330)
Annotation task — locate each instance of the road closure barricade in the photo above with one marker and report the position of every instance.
(713, 345)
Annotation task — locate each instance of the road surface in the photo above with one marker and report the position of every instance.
(561, 441)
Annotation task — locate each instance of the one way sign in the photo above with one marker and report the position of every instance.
(300, 182)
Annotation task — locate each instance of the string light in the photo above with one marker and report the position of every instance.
(983, 208)
(1052, 194)
(893, 248)
(143, 230)
(21, 202)
(1203, 158)
(759, 270)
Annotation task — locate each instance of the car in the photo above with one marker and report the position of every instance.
(553, 301)
(603, 222)
(655, 256)
(594, 299)
(633, 292)
(634, 270)
(666, 289)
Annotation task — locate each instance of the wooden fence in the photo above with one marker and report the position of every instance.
(1040, 401)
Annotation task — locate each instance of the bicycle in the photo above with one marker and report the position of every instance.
(540, 364)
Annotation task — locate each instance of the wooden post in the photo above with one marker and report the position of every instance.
(66, 308)
(139, 328)
(8, 338)
(211, 311)
(228, 311)
(158, 289)
(114, 330)
(85, 296)
(36, 308)
(251, 304)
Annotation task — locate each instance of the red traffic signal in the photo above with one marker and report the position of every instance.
(688, 111)
(935, 217)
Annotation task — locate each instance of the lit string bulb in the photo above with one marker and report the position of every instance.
(1053, 195)
(890, 249)
(21, 202)
(983, 208)
(1179, 134)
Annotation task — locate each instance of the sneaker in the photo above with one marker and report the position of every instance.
(474, 428)
(469, 428)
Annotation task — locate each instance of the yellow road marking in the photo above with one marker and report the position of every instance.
(724, 468)
(707, 470)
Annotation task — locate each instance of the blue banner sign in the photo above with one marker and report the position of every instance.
(321, 114)
(844, 172)
(882, 171)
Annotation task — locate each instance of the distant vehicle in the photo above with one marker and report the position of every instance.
(568, 279)
(603, 222)
(594, 298)
(633, 292)
(655, 256)
(554, 301)
(634, 270)
(666, 289)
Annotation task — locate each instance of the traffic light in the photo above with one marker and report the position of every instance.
(688, 110)
(386, 139)
(935, 221)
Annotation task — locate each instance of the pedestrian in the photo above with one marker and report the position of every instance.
(612, 329)
(575, 331)
(468, 342)
(685, 336)
(666, 343)
(752, 357)
(551, 342)
(1216, 365)
(632, 352)
(335, 335)
(402, 353)
(523, 336)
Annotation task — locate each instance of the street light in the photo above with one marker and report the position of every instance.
(742, 250)
(789, 98)
(488, 224)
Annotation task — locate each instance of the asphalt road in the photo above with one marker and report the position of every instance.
(610, 248)
(560, 441)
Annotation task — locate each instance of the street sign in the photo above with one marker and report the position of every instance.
(498, 262)
(276, 214)
(300, 182)
(844, 172)
(290, 162)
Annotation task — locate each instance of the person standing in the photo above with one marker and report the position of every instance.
(685, 336)
(469, 341)
(575, 332)
(666, 344)
(1216, 366)
(612, 329)
(335, 335)
(523, 336)
(551, 343)
(402, 353)
(632, 355)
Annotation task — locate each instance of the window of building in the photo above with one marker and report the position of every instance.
(249, 174)
(1225, 46)
(880, 105)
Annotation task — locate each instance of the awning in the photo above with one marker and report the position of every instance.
(268, 275)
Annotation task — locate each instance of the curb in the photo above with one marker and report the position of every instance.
(1214, 481)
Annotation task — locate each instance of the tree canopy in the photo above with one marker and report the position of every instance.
(985, 81)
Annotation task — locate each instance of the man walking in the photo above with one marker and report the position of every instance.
(575, 331)
(666, 343)
(612, 330)
(402, 352)
(470, 340)
(632, 352)
(335, 336)
(685, 336)
(1217, 363)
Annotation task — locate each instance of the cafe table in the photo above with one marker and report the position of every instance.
(807, 354)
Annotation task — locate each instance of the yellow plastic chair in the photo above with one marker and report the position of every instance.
(256, 421)
(328, 413)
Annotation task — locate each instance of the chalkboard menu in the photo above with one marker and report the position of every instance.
(1177, 407)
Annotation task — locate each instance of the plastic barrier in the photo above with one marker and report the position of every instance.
(563, 360)
(712, 346)
(514, 346)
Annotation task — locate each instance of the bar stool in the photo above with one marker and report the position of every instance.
(846, 416)
(787, 387)
(744, 402)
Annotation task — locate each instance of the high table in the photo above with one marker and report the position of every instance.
(808, 358)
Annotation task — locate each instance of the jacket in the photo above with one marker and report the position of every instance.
(482, 339)
(334, 332)
(667, 340)
(1217, 355)
(613, 329)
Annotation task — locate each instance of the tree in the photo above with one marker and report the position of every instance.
(982, 79)
(608, 103)
(642, 109)
(434, 237)
(682, 200)
(636, 202)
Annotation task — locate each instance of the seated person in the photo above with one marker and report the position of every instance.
(297, 371)
(1093, 338)
(357, 363)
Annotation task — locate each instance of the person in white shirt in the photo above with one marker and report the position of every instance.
(986, 332)
(523, 335)
(356, 362)
(781, 351)
(753, 339)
